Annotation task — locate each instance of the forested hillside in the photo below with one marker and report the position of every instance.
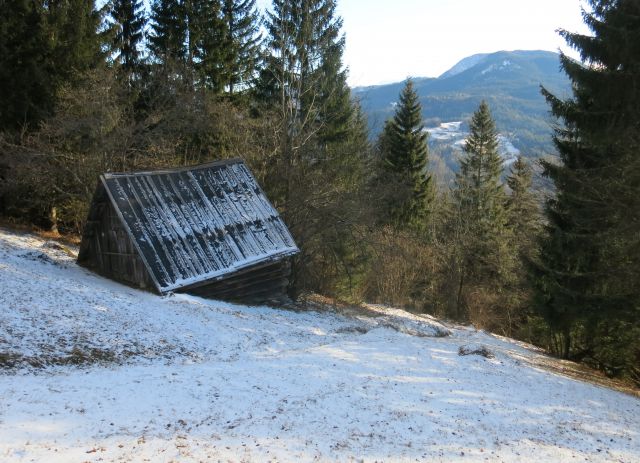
(508, 80)
(93, 87)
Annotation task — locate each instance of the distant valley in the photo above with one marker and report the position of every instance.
(509, 81)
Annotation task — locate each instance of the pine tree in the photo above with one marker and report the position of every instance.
(484, 259)
(169, 32)
(302, 86)
(243, 43)
(588, 276)
(129, 21)
(303, 74)
(405, 155)
(75, 28)
(26, 93)
(522, 205)
(44, 45)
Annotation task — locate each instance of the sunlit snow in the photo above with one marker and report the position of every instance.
(451, 133)
(185, 379)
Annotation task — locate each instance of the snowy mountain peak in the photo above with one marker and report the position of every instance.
(463, 65)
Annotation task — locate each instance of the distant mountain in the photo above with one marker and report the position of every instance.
(464, 64)
(508, 80)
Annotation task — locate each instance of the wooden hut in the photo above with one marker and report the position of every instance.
(206, 230)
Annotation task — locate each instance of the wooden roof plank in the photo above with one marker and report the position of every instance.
(195, 224)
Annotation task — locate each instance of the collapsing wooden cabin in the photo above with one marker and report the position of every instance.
(207, 230)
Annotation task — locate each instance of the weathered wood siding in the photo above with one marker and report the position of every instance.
(106, 247)
(262, 284)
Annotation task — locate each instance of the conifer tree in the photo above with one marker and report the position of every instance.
(522, 205)
(303, 73)
(128, 19)
(43, 46)
(169, 31)
(479, 189)
(302, 86)
(193, 35)
(484, 260)
(75, 28)
(26, 93)
(588, 276)
(208, 47)
(405, 155)
(524, 224)
(243, 42)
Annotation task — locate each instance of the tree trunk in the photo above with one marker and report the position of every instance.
(53, 218)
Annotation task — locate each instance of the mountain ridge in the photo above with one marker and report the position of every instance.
(510, 82)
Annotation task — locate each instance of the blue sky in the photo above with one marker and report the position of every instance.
(389, 40)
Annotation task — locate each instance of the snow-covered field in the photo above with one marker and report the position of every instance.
(452, 134)
(96, 371)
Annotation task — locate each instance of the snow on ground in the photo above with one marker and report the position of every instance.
(96, 371)
(452, 134)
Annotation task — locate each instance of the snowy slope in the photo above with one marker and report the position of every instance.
(95, 371)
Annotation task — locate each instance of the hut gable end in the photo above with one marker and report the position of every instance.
(192, 227)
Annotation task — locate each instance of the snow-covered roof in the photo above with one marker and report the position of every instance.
(199, 223)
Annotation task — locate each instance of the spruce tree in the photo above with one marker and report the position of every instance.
(208, 47)
(303, 73)
(405, 155)
(168, 32)
(302, 87)
(43, 46)
(588, 275)
(26, 93)
(479, 191)
(243, 42)
(192, 34)
(479, 188)
(128, 19)
(75, 28)
(484, 259)
(524, 223)
(522, 205)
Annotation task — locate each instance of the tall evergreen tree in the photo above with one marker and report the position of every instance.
(405, 155)
(243, 42)
(193, 35)
(26, 93)
(208, 44)
(524, 222)
(302, 86)
(483, 256)
(478, 186)
(522, 205)
(44, 45)
(303, 74)
(75, 28)
(589, 274)
(167, 41)
(128, 19)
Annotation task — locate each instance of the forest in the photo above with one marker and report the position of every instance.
(88, 88)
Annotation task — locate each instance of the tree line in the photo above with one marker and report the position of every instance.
(88, 88)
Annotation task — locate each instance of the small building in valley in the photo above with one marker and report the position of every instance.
(207, 230)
